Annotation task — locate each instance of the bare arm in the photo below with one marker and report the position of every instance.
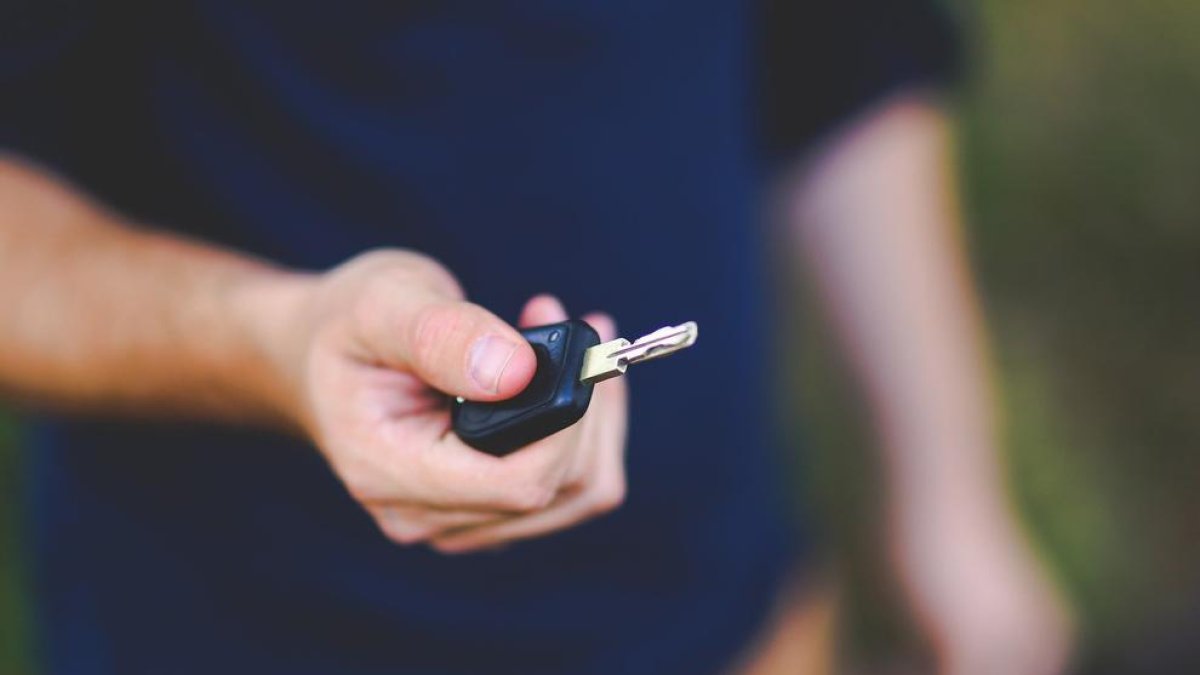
(878, 225)
(100, 316)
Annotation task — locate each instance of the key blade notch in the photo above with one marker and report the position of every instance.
(662, 342)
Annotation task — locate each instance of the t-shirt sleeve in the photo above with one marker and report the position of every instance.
(824, 61)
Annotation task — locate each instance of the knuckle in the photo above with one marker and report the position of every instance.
(608, 497)
(549, 466)
(361, 485)
(360, 491)
(381, 258)
(380, 275)
(409, 268)
(404, 533)
(392, 258)
(429, 272)
(532, 497)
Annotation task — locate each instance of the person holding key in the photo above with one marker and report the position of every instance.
(255, 260)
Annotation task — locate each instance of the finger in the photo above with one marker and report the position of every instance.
(454, 346)
(607, 413)
(604, 325)
(603, 476)
(541, 310)
(522, 481)
(453, 475)
(418, 460)
(559, 516)
(606, 419)
(433, 467)
(611, 428)
(441, 518)
(610, 397)
(605, 495)
(412, 524)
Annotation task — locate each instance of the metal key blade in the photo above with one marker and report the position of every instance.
(662, 342)
(610, 359)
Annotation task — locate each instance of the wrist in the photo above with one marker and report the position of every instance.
(271, 308)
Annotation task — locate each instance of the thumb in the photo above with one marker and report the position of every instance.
(454, 346)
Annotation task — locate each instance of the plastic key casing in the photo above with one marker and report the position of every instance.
(554, 400)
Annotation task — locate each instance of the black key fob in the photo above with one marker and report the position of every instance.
(554, 400)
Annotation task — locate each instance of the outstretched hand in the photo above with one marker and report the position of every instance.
(381, 343)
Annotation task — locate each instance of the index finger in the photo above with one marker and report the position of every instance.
(447, 473)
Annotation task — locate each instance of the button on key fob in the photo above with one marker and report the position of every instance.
(570, 360)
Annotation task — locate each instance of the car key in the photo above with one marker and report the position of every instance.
(570, 359)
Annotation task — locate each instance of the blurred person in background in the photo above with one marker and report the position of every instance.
(231, 447)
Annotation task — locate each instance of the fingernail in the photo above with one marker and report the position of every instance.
(489, 357)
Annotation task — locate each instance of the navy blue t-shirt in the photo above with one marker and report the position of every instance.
(498, 138)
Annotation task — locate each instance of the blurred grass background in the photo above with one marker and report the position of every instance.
(14, 634)
(1081, 158)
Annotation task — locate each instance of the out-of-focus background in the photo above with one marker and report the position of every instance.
(1080, 146)
(1081, 157)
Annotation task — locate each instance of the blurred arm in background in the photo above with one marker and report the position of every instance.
(877, 222)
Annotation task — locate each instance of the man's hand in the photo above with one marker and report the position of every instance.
(381, 342)
(361, 360)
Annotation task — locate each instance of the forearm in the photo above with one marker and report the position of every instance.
(104, 316)
(882, 237)
(878, 225)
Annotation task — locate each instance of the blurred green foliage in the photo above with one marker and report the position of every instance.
(14, 634)
(1080, 158)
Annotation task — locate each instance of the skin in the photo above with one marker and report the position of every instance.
(875, 219)
(353, 359)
